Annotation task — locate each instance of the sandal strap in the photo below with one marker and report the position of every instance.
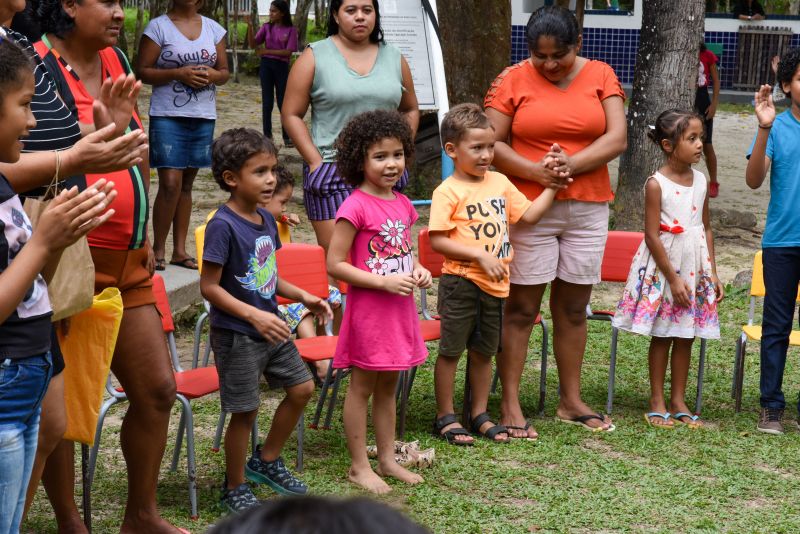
(665, 416)
(443, 421)
(457, 431)
(478, 420)
(589, 417)
(681, 415)
(492, 432)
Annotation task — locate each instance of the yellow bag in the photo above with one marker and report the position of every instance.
(87, 350)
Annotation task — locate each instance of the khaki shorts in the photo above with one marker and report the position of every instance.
(567, 243)
(471, 318)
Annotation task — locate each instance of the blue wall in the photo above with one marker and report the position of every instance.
(618, 49)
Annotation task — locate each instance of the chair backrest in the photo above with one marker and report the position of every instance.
(757, 288)
(618, 255)
(199, 241)
(303, 265)
(162, 303)
(429, 258)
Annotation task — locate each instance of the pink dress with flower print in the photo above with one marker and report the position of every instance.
(646, 306)
(380, 331)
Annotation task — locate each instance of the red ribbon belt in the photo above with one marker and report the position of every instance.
(671, 229)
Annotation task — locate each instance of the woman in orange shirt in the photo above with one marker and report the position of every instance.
(559, 119)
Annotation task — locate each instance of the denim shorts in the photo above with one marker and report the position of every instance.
(23, 383)
(180, 142)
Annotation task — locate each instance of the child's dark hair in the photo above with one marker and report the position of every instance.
(671, 124)
(333, 27)
(284, 177)
(552, 21)
(461, 118)
(283, 7)
(312, 515)
(233, 148)
(14, 63)
(52, 18)
(787, 67)
(363, 131)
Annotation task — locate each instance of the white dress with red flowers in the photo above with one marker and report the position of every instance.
(646, 306)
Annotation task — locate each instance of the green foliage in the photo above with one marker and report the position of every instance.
(315, 33)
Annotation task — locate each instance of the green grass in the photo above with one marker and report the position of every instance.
(724, 478)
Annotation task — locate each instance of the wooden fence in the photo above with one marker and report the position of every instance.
(757, 45)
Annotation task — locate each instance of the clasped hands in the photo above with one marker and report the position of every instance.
(556, 168)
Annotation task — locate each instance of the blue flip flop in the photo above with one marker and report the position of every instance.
(665, 416)
(693, 423)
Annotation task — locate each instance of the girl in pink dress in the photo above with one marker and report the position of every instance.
(380, 334)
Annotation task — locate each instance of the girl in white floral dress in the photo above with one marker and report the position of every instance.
(673, 289)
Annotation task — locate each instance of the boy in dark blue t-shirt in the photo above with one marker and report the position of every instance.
(240, 281)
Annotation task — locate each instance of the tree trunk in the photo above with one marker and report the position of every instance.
(476, 44)
(254, 25)
(137, 34)
(794, 7)
(301, 21)
(665, 77)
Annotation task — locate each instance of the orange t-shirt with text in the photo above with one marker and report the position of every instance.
(477, 214)
(543, 114)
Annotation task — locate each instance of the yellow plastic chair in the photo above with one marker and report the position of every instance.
(752, 331)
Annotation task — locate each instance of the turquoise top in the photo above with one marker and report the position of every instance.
(339, 93)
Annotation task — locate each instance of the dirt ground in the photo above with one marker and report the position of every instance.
(240, 105)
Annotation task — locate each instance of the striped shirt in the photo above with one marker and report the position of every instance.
(56, 127)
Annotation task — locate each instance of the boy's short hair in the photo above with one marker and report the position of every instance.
(15, 65)
(787, 67)
(234, 147)
(461, 118)
(284, 177)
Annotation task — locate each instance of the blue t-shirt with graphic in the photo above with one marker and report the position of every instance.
(783, 218)
(246, 251)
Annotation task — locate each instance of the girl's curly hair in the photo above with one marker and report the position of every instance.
(231, 150)
(15, 65)
(788, 66)
(363, 131)
(52, 18)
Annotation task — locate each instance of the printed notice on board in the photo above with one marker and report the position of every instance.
(405, 27)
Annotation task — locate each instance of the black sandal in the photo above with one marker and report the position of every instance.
(476, 422)
(160, 264)
(450, 435)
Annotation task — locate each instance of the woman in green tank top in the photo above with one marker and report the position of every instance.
(350, 72)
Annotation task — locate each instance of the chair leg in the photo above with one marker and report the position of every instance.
(543, 372)
(332, 401)
(198, 334)
(405, 383)
(254, 436)
(495, 379)
(218, 434)
(701, 368)
(323, 394)
(186, 414)
(612, 370)
(86, 498)
(98, 431)
(301, 429)
(176, 454)
(737, 355)
(739, 379)
(398, 389)
(207, 355)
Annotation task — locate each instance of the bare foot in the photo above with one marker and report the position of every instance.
(155, 525)
(518, 427)
(570, 412)
(369, 480)
(395, 470)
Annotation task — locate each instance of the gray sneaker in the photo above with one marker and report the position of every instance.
(274, 474)
(238, 499)
(770, 421)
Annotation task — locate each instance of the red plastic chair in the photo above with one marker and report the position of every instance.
(617, 257)
(191, 384)
(433, 261)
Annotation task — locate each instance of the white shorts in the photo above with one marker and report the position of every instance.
(567, 243)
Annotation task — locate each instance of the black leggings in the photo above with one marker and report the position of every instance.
(273, 74)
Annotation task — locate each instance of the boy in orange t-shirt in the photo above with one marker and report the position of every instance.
(470, 214)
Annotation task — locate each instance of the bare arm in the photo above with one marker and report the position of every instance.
(268, 324)
(219, 73)
(606, 147)
(758, 164)
(539, 206)
(494, 268)
(191, 75)
(295, 106)
(409, 106)
(343, 235)
(509, 162)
